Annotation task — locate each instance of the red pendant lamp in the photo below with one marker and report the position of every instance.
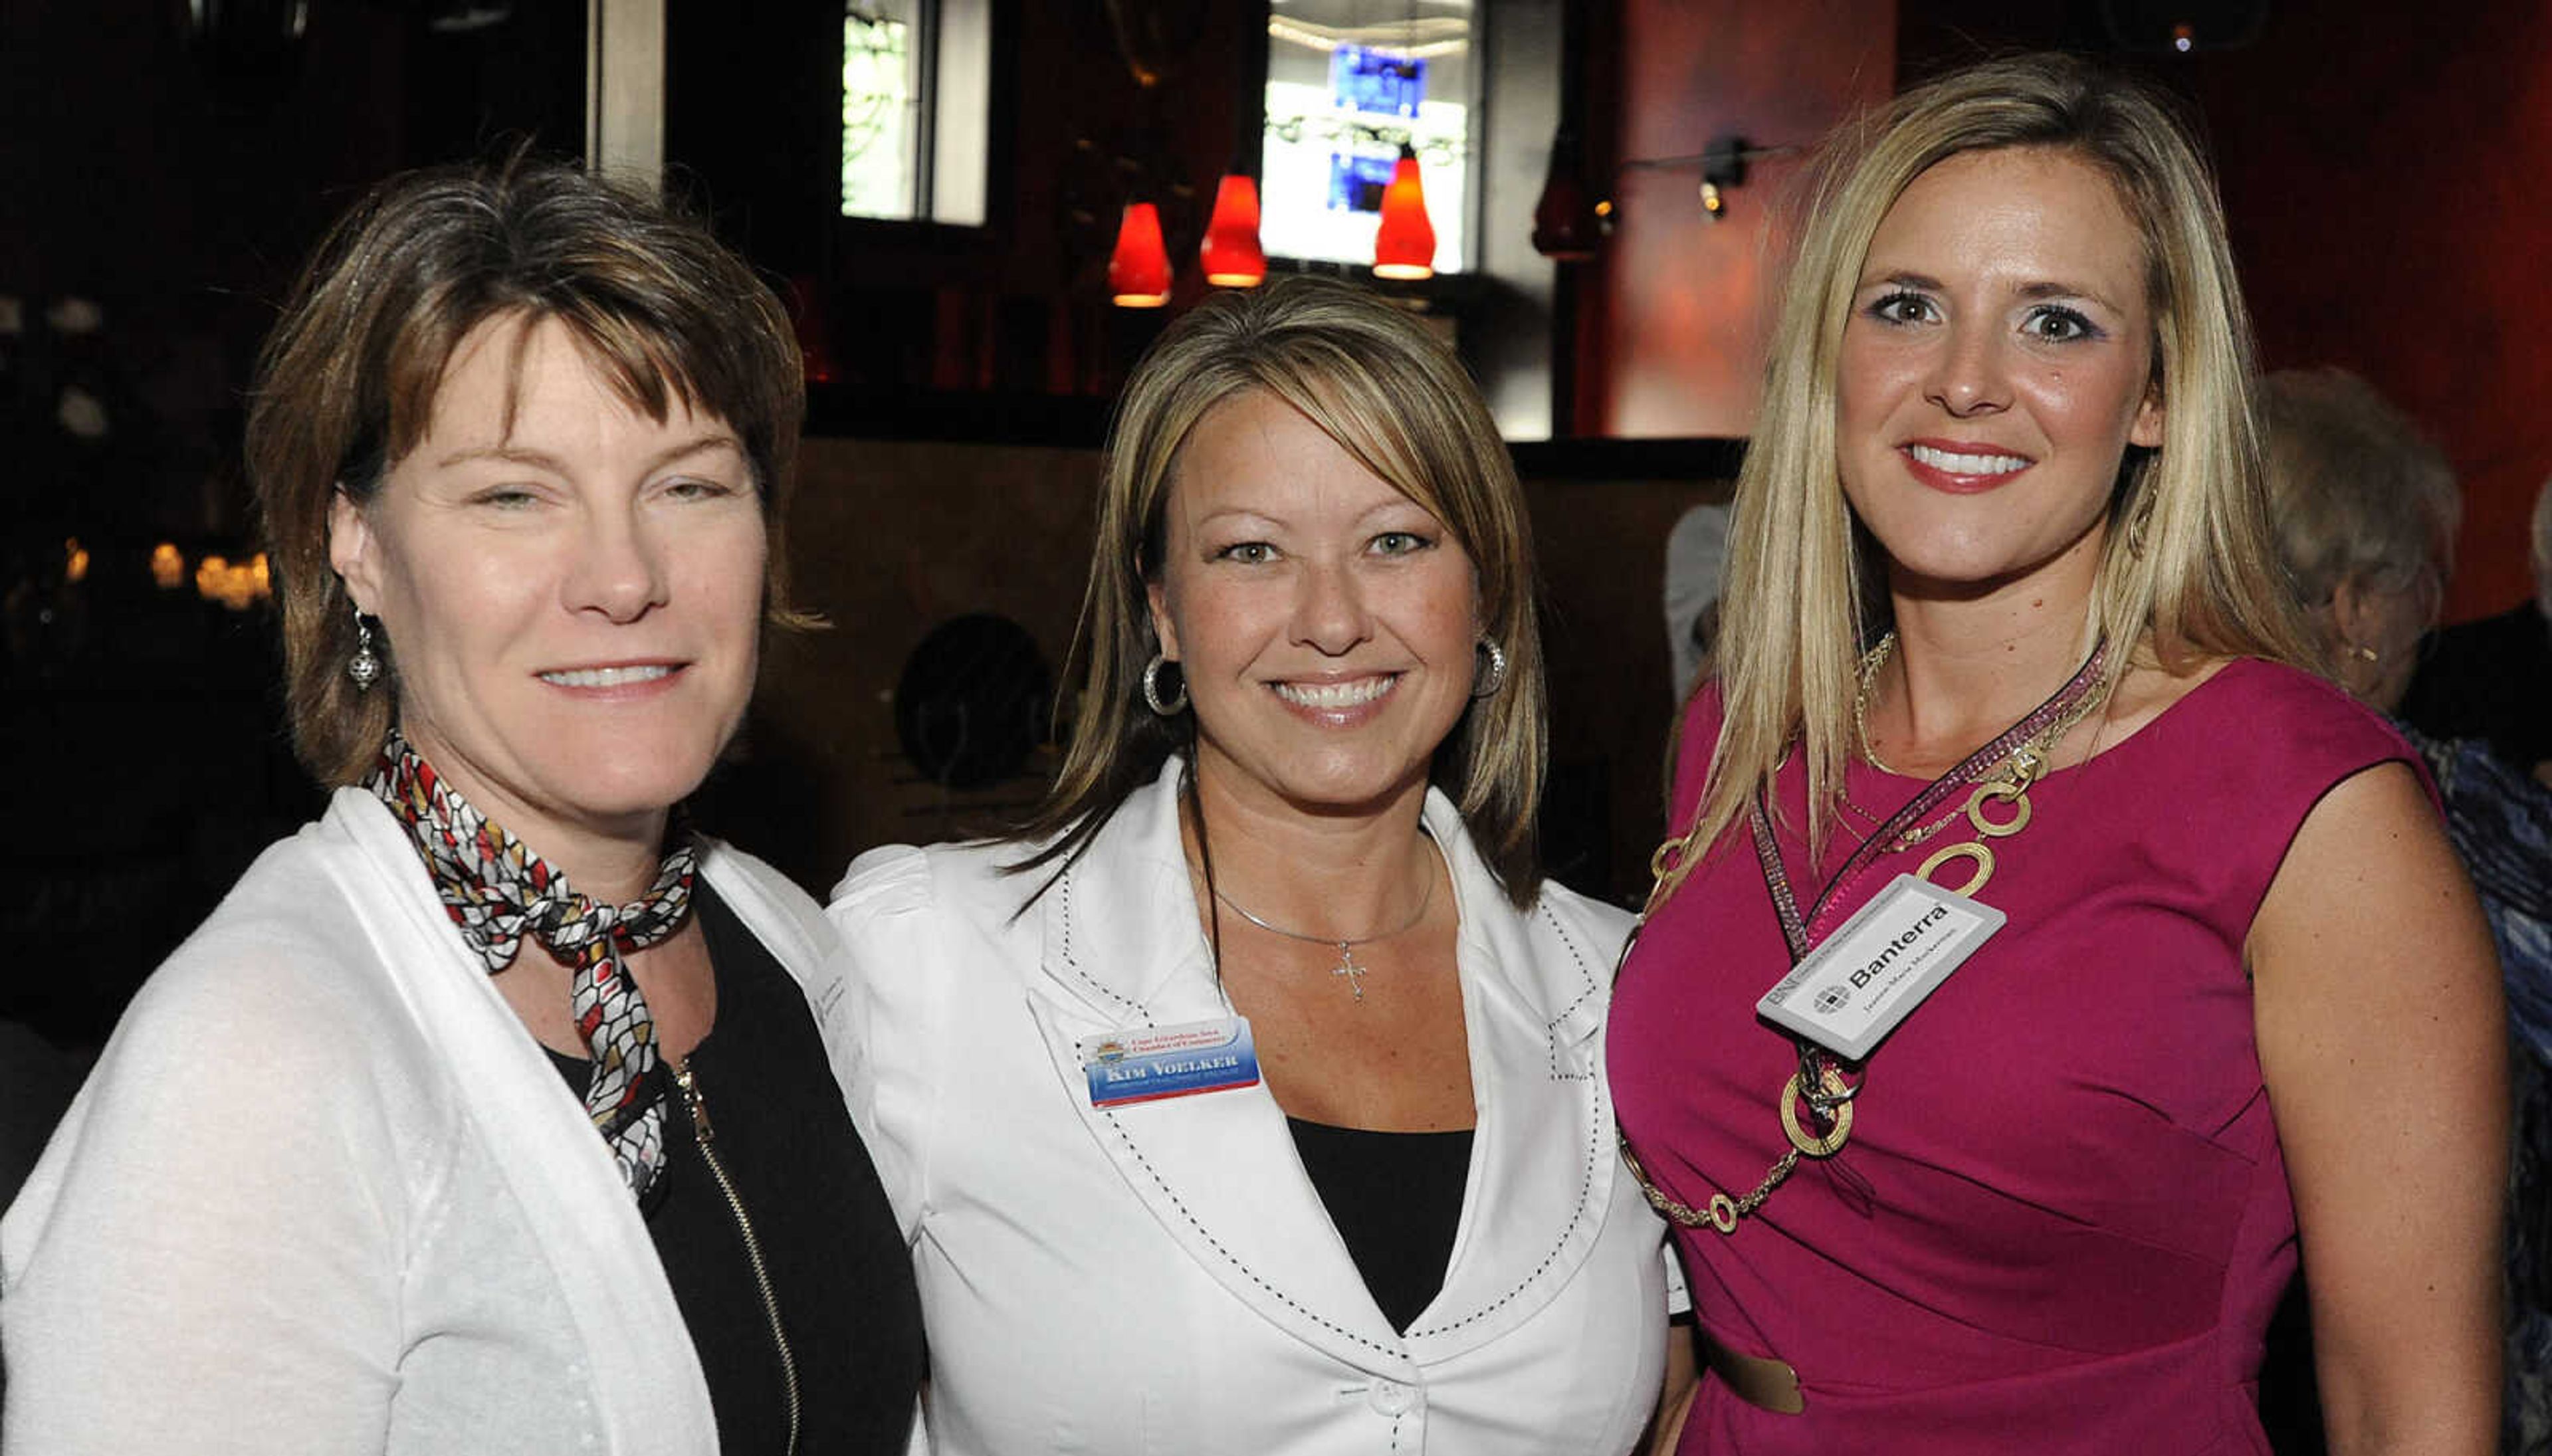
(1404, 245)
(1232, 257)
(1138, 271)
(1567, 221)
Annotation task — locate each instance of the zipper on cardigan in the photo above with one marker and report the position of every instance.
(706, 1137)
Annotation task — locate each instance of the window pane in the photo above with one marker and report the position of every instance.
(961, 111)
(879, 111)
(1347, 80)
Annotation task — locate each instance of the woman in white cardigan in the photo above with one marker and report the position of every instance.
(411, 1148)
(1253, 1099)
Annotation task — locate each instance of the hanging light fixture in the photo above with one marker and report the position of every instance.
(1404, 245)
(1567, 221)
(1404, 240)
(1723, 165)
(1232, 255)
(1138, 271)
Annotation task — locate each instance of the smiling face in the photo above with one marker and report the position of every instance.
(573, 606)
(1997, 362)
(1324, 622)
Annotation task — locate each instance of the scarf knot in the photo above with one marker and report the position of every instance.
(499, 893)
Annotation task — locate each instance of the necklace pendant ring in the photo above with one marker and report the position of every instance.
(1793, 1092)
(1999, 791)
(1723, 1212)
(1975, 850)
(1667, 859)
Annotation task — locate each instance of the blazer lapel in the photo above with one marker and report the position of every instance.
(1542, 1160)
(1121, 949)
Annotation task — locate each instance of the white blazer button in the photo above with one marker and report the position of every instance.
(1391, 1398)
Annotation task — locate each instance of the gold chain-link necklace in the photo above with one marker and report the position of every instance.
(2021, 753)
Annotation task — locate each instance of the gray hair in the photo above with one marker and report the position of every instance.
(2359, 495)
(2543, 548)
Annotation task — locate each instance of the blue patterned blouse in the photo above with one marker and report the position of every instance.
(2500, 821)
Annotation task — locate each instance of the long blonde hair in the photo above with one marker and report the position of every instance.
(1395, 398)
(2186, 571)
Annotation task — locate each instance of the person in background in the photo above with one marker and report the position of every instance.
(491, 1111)
(1251, 1099)
(2365, 510)
(1696, 563)
(2492, 680)
(2043, 952)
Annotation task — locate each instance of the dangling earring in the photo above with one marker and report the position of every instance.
(365, 667)
(2363, 653)
(1166, 707)
(1486, 681)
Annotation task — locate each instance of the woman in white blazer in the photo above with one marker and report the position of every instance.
(411, 1148)
(1251, 1099)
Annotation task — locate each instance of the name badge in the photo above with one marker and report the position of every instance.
(1148, 1064)
(1870, 975)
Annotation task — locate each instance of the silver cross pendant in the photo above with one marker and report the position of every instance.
(1348, 968)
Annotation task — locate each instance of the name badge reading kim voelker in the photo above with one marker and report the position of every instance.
(1870, 974)
(1147, 1064)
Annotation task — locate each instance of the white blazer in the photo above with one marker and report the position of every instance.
(1162, 1276)
(324, 1192)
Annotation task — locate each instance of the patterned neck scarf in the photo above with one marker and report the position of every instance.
(499, 893)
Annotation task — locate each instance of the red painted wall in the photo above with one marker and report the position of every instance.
(2384, 176)
(1672, 315)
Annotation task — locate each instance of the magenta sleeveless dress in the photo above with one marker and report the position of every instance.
(2061, 1221)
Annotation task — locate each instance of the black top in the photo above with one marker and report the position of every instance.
(838, 1266)
(2492, 679)
(1396, 1199)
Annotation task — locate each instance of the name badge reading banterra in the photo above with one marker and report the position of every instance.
(1147, 1064)
(1868, 976)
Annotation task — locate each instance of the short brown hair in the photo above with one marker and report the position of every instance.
(1396, 399)
(347, 382)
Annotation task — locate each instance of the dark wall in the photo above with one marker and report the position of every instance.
(162, 186)
(1019, 305)
(2384, 170)
(149, 161)
(174, 178)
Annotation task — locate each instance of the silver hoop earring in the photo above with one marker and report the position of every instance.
(1486, 681)
(1166, 707)
(365, 667)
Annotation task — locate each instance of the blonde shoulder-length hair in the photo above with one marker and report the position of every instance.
(1396, 399)
(2186, 572)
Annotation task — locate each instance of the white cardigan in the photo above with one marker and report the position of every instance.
(325, 1193)
(1162, 1276)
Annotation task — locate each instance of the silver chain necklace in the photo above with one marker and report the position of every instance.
(1348, 966)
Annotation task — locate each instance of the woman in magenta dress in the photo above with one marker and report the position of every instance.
(2002, 618)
